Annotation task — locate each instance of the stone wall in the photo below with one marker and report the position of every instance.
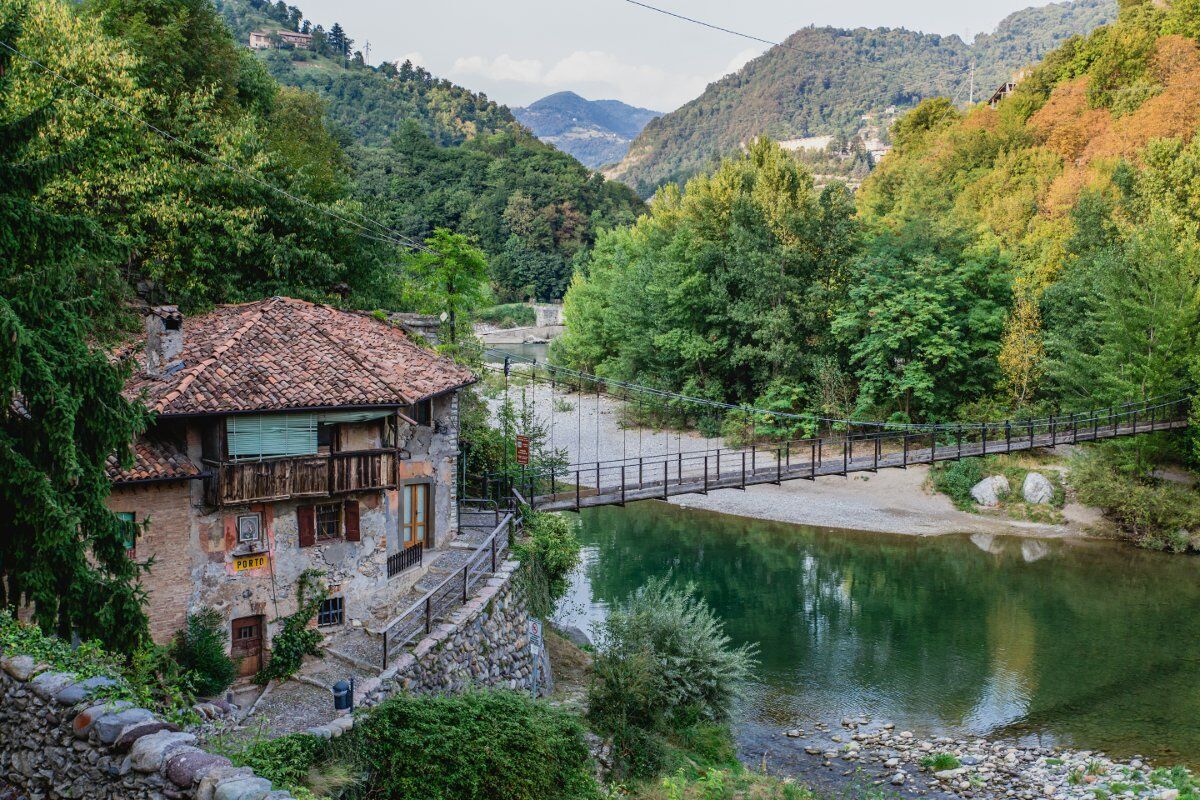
(58, 740)
(483, 643)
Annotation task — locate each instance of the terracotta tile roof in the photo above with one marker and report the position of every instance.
(152, 461)
(280, 353)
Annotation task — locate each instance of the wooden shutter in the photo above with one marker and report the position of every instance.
(306, 521)
(350, 517)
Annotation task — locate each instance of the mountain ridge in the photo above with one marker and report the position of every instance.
(597, 132)
(822, 80)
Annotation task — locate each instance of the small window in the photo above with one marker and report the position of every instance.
(249, 528)
(128, 521)
(329, 521)
(325, 435)
(246, 631)
(333, 611)
(422, 412)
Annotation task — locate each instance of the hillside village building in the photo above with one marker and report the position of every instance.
(266, 40)
(288, 437)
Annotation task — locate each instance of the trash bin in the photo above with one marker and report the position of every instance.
(343, 695)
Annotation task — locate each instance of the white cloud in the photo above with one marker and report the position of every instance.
(501, 68)
(415, 57)
(593, 73)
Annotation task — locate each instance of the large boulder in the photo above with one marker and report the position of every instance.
(1037, 489)
(988, 491)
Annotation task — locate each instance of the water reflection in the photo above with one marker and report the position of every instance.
(1090, 644)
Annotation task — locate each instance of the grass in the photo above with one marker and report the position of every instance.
(939, 762)
(507, 315)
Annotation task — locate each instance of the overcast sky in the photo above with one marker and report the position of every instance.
(517, 51)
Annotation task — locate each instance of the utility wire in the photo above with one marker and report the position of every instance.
(713, 27)
(372, 230)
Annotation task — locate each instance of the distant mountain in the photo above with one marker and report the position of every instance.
(597, 132)
(823, 80)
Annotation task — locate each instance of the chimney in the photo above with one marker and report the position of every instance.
(164, 341)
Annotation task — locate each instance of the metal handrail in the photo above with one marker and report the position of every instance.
(425, 605)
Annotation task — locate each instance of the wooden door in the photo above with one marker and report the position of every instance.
(247, 649)
(414, 516)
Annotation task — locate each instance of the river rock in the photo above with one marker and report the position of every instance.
(1037, 489)
(988, 491)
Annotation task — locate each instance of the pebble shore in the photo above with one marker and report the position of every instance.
(877, 754)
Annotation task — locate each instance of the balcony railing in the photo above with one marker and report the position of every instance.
(302, 476)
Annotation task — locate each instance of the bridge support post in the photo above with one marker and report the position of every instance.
(1095, 426)
(846, 456)
(1030, 433)
(1053, 432)
(678, 469)
(959, 437)
(905, 462)
(641, 478)
(577, 479)
(933, 445)
(1074, 428)
(743, 486)
(665, 467)
(705, 475)
(1007, 436)
(1135, 420)
(878, 444)
(812, 460)
(984, 439)
(622, 485)
(778, 466)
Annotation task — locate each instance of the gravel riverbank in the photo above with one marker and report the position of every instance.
(872, 754)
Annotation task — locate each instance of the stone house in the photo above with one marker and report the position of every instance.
(288, 437)
(266, 40)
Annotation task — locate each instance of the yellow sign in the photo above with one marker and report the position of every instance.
(249, 562)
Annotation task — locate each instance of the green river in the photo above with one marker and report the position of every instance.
(1093, 645)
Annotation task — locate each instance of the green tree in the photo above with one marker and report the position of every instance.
(63, 552)
(453, 277)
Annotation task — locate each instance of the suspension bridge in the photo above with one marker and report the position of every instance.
(626, 471)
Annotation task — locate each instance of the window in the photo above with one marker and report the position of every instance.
(128, 521)
(249, 528)
(329, 521)
(333, 611)
(422, 412)
(325, 432)
(254, 436)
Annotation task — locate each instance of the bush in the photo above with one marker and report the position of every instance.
(1157, 515)
(473, 746)
(956, 478)
(200, 650)
(509, 315)
(549, 553)
(694, 672)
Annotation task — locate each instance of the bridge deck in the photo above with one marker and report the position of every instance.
(668, 475)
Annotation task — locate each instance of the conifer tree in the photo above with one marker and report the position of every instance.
(62, 415)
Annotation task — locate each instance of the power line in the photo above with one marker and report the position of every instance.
(713, 27)
(373, 230)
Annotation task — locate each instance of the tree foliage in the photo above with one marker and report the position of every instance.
(63, 416)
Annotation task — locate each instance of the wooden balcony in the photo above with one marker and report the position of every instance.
(321, 475)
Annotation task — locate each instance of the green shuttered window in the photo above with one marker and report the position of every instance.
(257, 436)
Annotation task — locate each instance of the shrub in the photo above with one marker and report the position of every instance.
(200, 651)
(296, 640)
(697, 670)
(509, 315)
(939, 762)
(1160, 516)
(549, 553)
(473, 746)
(956, 478)
(304, 765)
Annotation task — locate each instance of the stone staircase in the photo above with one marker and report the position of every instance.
(306, 700)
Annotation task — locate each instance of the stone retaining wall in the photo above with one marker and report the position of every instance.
(59, 740)
(483, 643)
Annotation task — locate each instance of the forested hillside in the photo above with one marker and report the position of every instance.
(1037, 256)
(824, 79)
(597, 132)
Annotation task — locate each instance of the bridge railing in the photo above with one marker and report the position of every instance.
(665, 473)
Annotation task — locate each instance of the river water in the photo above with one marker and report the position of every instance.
(1093, 645)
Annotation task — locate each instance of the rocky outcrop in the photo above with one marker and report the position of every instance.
(60, 739)
(988, 491)
(1037, 489)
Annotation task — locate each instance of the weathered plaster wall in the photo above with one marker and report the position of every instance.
(194, 547)
(483, 643)
(56, 742)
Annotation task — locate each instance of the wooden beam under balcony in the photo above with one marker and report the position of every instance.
(321, 475)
